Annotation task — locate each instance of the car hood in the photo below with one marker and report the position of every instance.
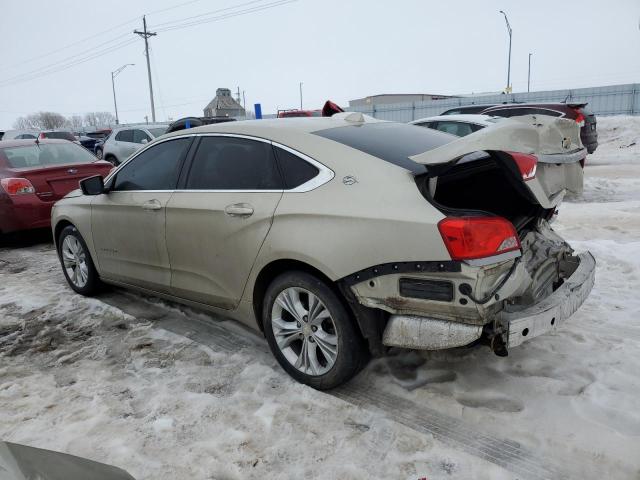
(534, 134)
(19, 462)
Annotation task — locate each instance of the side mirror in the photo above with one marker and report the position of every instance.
(144, 140)
(92, 185)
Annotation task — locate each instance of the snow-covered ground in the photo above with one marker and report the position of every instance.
(169, 393)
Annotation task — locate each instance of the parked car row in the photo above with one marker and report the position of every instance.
(574, 111)
(340, 237)
(33, 176)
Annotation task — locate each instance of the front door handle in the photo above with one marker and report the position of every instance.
(239, 210)
(152, 205)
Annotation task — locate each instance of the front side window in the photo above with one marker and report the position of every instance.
(230, 163)
(124, 136)
(157, 168)
(139, 136)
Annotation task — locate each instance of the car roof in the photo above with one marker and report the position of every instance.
(462, 117)
(31, 141)
(270, 126)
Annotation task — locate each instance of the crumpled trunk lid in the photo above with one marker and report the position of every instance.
(555, 142)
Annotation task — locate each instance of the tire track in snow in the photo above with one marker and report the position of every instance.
(456, 433)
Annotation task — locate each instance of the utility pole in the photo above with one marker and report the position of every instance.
(244, 104)
(300, 95)
(145, 34)
(114, 74)
(509, 65)
(529, 75)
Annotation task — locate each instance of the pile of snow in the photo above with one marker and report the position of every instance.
(618, 140)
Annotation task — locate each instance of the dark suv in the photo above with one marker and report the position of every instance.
(574, 111)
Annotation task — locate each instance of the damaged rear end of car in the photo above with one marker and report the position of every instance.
(510, 277)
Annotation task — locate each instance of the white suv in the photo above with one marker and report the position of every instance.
(124, 141)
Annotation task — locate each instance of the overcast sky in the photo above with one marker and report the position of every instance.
(340, 49)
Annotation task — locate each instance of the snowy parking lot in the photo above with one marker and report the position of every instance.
(167, 392)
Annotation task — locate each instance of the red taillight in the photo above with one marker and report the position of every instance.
(527, 164)
(17, 186)
(579, 117)
(477, 237)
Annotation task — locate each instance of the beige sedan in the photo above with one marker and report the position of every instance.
(341, 237)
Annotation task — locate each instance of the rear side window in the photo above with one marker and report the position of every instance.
(157, 168)
(518, 112)
(455, 128)
(47, 154)
(295, 171)
(124, 136)
(139, 136)
(391, 142)
(230, 163)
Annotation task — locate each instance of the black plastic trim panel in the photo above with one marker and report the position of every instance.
(402, 267)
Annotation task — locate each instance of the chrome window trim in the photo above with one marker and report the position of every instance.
(325, 174)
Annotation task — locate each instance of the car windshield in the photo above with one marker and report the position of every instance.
(60, 135)
(389, 141)
(156, 132)
(45, 154)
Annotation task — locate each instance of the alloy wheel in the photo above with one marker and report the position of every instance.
(304, 331)
(74, 260)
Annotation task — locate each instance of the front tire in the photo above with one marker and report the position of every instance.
(77, 265)
(99, 154)
(310, 332)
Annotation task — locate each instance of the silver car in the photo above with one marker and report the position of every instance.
(341, 237)
(125, 141)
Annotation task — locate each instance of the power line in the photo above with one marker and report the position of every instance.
(57, 68)
(73, 60)
(63, 60)
(83, 40)
(228, 15)
(211, 12)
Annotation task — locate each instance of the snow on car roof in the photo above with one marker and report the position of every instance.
(463, 117)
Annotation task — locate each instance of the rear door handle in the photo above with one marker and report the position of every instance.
(239, 210)
(152, 205)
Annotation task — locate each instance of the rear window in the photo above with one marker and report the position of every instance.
(59, 135)
(391, 142)
(47, 154)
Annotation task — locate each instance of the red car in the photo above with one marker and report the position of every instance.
(35, 174)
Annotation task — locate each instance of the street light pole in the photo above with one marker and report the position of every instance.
(529, 75)
(300, 95)
(114, 74)
(509, 64)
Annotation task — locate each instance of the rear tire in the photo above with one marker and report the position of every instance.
(77, 265)
(310, 332)
(112, 159)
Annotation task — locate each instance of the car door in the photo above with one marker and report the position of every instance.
(128, 222)
(219, 217)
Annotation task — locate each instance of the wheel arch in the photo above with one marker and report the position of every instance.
(271, 270)
(57, 229)
(369, 322)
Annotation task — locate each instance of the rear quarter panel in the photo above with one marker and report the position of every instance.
(341, 229)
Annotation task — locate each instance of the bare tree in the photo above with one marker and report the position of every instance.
(75, 122)
(41, 121)
(99, 119)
